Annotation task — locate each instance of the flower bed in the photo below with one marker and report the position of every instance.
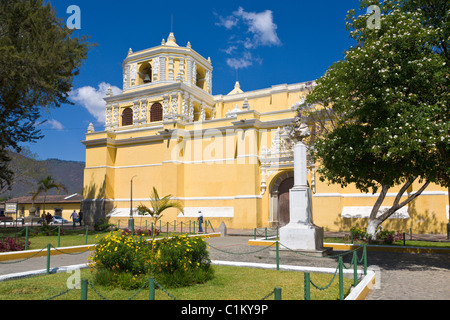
(126, 261)
(12, 244)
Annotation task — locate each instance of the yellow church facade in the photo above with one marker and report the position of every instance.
(228, 156)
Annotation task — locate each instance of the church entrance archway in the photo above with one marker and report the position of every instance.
(279, 193)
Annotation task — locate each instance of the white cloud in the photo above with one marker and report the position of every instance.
(230, 49)
(261, 31)
(261, 26)
(228, 22)
(92, 99)
(55, 124)
(243, 61)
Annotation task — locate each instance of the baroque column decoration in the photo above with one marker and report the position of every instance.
(191, 110)
(162, 62)
(166, 107)
(136, 112)
(108, 117)
(155, 69)
(143, 119)
(170, 68)
(133, 73)
(115, 121)
(194, 72)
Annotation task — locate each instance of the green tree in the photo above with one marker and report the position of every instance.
(157, 206)
(389, 105)
(44, 186)
(39, 59)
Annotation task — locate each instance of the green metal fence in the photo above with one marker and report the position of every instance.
(152, 283)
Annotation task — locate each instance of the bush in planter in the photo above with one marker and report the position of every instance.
(125, 261)
(181, 261)
(121, 260)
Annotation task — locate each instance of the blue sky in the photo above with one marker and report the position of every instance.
(261, 43)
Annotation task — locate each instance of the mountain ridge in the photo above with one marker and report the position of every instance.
(67, 172)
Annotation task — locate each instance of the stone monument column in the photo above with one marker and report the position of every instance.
(301, 234)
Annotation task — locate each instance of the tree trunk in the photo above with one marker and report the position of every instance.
(372, 228)
(375, 221)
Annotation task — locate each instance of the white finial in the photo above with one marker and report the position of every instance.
(171, 40)
(91, 128)
(246, 105)
(130, 51)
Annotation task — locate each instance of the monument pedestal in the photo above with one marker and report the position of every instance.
(301, 234)
(303, 238)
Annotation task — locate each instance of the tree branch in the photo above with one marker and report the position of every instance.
(402, 191)
(397, 206)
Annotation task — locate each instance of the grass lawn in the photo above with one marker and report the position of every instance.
(229, 283)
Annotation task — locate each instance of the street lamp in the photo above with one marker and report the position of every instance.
(131, 219)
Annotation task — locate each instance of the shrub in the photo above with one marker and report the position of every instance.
(181, 261)
(141, 232)
(358, 234)
(12, 244)
(126, 261)
(119, 253)
(389, 237)
(102, 225)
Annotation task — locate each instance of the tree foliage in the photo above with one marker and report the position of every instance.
(44, 186)
(390, 96)
(39, 59)
(158, 206)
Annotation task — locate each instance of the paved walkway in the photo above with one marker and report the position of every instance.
(402, 276)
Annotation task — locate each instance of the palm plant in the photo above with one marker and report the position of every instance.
(44, 186)
(157, 206)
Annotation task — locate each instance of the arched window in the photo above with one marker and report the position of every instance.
(156, 112)
(127, 117)
(144, 73)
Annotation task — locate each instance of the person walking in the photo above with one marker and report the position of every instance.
(74, 217)
(80, 217)
(200, 221)
(49, 218)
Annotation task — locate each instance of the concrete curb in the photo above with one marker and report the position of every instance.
(349, 246)
(363, 288)
(19, 255)
(42, 272)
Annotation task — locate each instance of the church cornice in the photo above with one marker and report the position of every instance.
(166, 50)
(302, 86)
(162, 90)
